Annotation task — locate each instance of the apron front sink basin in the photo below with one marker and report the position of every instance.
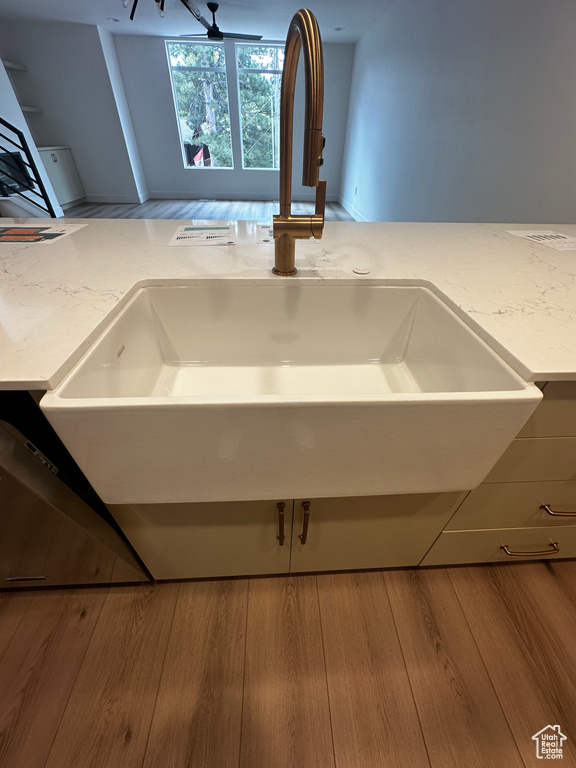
(235, 390)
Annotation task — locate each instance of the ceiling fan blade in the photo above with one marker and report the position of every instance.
(195, 11)
(195, 37)
(241, 37)
(212, 28)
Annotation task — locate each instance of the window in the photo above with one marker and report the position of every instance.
(201, 95)
(259, 79)
(210, 83)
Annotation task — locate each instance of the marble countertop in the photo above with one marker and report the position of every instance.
(54, 297)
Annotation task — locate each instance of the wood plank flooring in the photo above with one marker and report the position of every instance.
(452, 690)
(198, 714)
(286, 720)
(374, 716)
(107, 720)
(438, 668)
(227, 210)
(39, 671)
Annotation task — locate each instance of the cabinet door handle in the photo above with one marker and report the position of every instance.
(554, 513)
(554, 549)
(54, 157)
(280, 506)
(303, 535)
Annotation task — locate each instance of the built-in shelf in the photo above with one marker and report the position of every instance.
(13, 66)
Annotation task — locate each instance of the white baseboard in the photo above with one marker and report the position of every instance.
(201, 195)
(72, 203)
(156, 194)
(128, 199)
(351, 210)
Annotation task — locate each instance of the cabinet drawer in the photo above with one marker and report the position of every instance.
(486, 546)
(515, 505)
(536, 459)
(556, 414)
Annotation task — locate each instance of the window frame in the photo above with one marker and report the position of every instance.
(232, 72)
(250, 71)
(221, 70)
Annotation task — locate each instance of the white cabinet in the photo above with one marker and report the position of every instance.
(367, 531)
(179, 541)
(186, 541)
(503, 545)
(526, 507)
(62, 173)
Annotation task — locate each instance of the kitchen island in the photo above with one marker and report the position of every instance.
(517, 295)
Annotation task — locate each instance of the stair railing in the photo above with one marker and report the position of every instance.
(37, 187)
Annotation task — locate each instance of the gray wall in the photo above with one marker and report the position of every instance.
(68, 78)
(110, 100)
(464, 110)
(145, 71)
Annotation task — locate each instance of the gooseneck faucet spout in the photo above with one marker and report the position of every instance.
(302, 34)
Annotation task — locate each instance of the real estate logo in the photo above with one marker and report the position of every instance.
(549, 743)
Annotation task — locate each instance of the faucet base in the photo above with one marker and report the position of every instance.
(284, 249)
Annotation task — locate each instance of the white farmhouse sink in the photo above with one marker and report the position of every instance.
(228, 390)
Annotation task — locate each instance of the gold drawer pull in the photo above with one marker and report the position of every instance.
(280, 506)
(304, 535)
(550, 511)
(552, 551)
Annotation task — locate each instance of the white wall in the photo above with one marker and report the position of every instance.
(68, 78)
(464, 110)
(146, 76)
(117, 85)
(11, 112)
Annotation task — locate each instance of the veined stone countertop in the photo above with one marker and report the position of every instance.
(54, 297)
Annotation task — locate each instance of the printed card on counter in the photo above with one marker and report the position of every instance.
(547, 237)
(204, 235)
(46, 234)
(265, 233)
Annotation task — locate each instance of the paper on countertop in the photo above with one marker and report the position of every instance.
(204, 235)
(265, 233)
(547, 237)
(40, 234)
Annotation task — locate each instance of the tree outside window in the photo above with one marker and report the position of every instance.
(259, 81)
(201, 96)
(202, 81)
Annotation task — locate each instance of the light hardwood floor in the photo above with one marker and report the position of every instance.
(431, 668)
(227, 210)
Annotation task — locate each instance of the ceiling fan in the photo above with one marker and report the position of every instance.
(213, 32)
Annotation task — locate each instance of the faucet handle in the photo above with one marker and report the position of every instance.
(318, 218)
(320, 199)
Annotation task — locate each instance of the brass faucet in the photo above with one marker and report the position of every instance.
(303, 33)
